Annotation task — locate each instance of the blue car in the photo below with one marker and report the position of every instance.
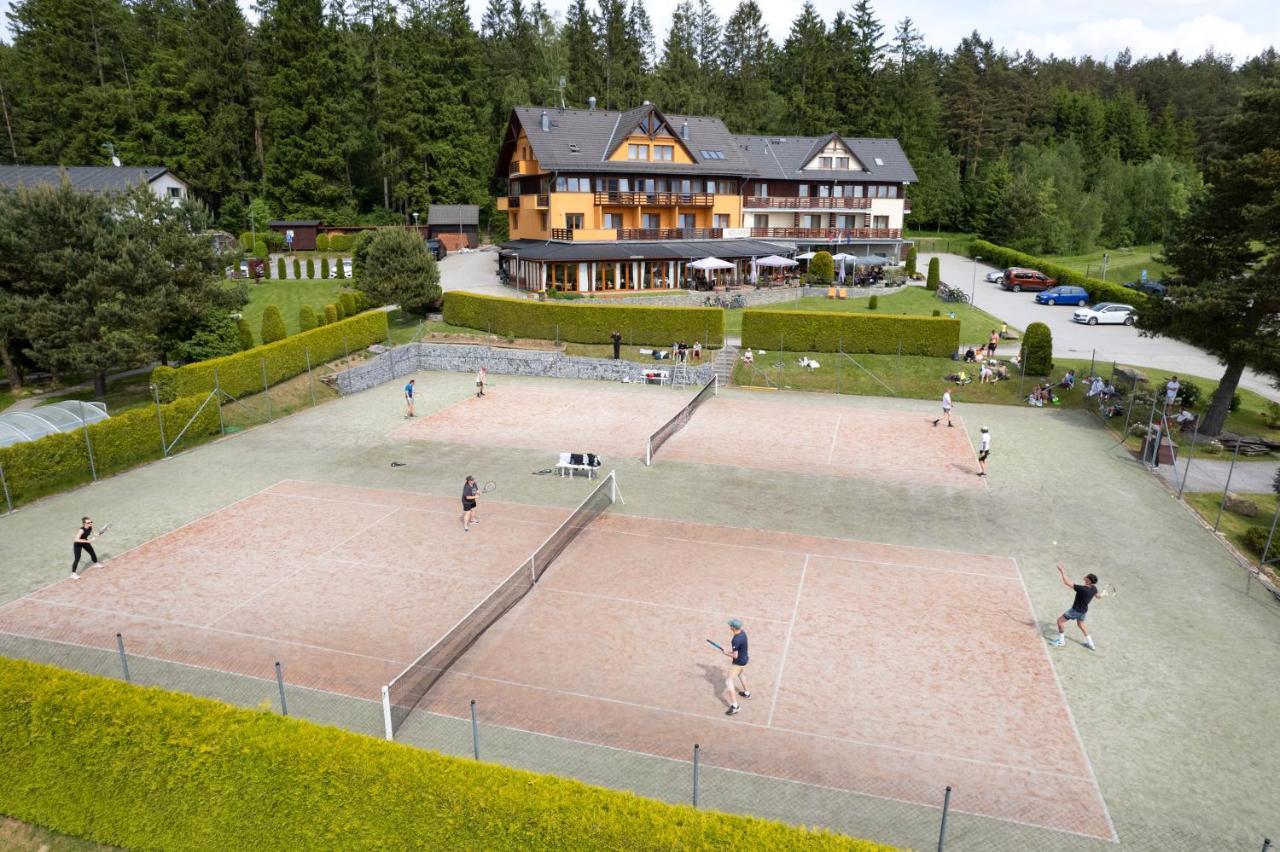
(1063, 294)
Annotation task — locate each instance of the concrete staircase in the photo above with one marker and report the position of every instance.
(725, 358)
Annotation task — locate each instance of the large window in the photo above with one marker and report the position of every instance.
(720, 220)
(824, 162)
(762, 190)
(637, 152)
(562, 276)
(824, 191)
(857, 190)
(842, 163)
(813, 220)
(573, 184)
(688, 220)
(651, 220)
(760, 220)
(613, 220)
(879, 221)
(892, 190)
(573, 221)
(664, 152)
(804, 190)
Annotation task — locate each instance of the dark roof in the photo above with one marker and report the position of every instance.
(678, 250)
(595, 134)
(83, 178)
(453, 214)
(293, 223)
(784, 158)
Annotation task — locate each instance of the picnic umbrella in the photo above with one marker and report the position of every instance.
(808, 255)
(775, 260)
(711, 264)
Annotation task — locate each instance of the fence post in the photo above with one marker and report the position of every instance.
(899, 382)
(1151, 422)
(840, 348)
(1266, 844)
(284, 707)
(346, 350)
(266, 390)
(5, 484)
(1182, 485)
(93, 468)
(387, 728)
(124, 661)
(1022, 379)
(1266, 549)
(696, 752)
(1226, 488)
(311, 382)
(217, 389)
(475, 732)
(946, 806)
(1093, 358)
(164, 445)
(1133, 397)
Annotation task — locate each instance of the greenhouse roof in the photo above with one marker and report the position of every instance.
(67, 416)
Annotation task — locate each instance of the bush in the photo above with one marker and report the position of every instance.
(348, 303)
(395, 267)
(60, 461)
(1255, 539)
(311, 268)
(341, 242)
(275, 240)
(1235, 402)
(330, 314)
(240, 374)
(246, 334)
(306, 318)
(1272, 418)
(273, 325)
(821, 267)
(324, 268)
(322, 242)
(340, 308)
(583, 322)
(297, 268)
(873, 303)
(1190, 393)
(341, 268)
(266, 267)
(935, 275)
(260, 250)
(1099, 290)
(211, 776)
(217, 335)
(936, 312)
(1036, 353)
(280, 268)
(821, 331)
(246, 241)
(1213, 448)
(911, 261)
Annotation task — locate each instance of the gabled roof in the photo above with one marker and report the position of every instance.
(453, 214)
(784, 158)
(83, 178)
(580, 140)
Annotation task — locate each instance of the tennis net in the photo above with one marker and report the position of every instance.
(675, 424)
(407, 689)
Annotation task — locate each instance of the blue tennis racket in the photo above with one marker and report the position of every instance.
(716, 645)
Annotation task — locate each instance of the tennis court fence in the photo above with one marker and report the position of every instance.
(407, 689)
(680, 420)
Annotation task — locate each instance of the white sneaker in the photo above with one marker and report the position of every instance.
(97, 565)
(1057, 643)
(1091, 646)
(75, 576)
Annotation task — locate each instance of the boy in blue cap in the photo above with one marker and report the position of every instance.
(738, 653)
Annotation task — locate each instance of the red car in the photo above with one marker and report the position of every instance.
(1018, 279)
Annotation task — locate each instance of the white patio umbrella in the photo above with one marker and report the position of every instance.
(711, 263)
(775, 260)
(808, 255)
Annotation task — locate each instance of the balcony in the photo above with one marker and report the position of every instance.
(522, 167)
(544, 201)
(834, 235)
(670, 233)
(806, 203)
(656, 199)
(513, 202)
(906, 205)
(502, 202)
(562, 233)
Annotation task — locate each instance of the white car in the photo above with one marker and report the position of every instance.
(1106, 313)
(346, 268)
(995, 276)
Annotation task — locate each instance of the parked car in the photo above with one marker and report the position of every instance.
(1106, 313)
(1018, 279)
(346, 269)
(1154, 287)
(437, 249)
(1063, 294)
(995, 276)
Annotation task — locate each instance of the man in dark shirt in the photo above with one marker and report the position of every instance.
(470, 493)
(616, 337)
(1079, 608)
(738, 653)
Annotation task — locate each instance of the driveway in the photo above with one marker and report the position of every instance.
(473, 271)
(1070, 339)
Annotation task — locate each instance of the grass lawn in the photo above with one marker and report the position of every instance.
(1233, 526)
(122, 394)
(6, 400)
(288, 296)
(975, 324)
(1126, 264)
(952, 242)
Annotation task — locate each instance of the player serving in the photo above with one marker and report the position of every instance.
(1085, 593)
(81, 544)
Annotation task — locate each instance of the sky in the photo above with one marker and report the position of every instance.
(1098, 28)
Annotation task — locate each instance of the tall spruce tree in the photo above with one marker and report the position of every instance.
(680, 85)
(584, 78)
(747, 57)
(804, 75)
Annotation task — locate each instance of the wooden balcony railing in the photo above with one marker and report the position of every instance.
(513, 201)
(832, 234)
(906, 205)
(805, 203)
(544, 200)
(562, 233)
(656, 199)
(670, 233)
(521, 167)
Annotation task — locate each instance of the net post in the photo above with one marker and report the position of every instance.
(475, 732)
(311, 384)
(648, 452)
(696, 752)
(613, 487)
(124, 660)
(284, 706)
(155, 393)
(942, 829)
(387, 728)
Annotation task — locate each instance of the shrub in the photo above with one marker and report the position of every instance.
(239, 374)
(273, 325)
(1037, 350)
(60, 461)
(266, 267)
(246, 334)
(583, 322)
(324, 268)
(341, 242)
(260, 250)
(340, 308)
(834, 331)
(246, 241)
(935, 275)
(280, 268)
(1272, 417)
(322, 242)
(1213, 448)
(822, 267)
(1235, 402)
(275, 240)
(395, 267)
(1099, 290)
(311, 268)
(873, 303)
(330, 314)
(306, 318)
(341, 268)
(936, 312)
(297, 268)
(1190, 393)
(218, 334)
(211, 774)
(911, 261)
(347, 301)
(1255, 539)
(566, 294)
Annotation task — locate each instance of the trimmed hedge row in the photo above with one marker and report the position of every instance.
(1099, 290)
(242, 373)
(583, 323)
(834, 331)
(148, 769)
(60, 462)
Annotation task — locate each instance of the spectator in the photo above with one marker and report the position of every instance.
(1095, 386)
(697, 350)
(1069, 380)
(748, 357)
(986, 375)
(969, 356)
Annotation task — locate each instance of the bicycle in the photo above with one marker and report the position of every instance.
(952, 294)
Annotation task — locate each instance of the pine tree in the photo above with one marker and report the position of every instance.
(584, 77)
(679, 77)
(747, 55)
(804, 75)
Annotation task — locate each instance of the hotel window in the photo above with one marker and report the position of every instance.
(762, 190)
(651, 220)
(847, 222)
(724, 187)
(824, 191)
(720, 220)
(842, 163)
(879, 221)
(644, 185)
(857, 190)
(837, 191)
(613, 220)
(824, 162)
(637, 152)
(893, 191)
(573, 221)
(684, 187)
(688, 220)
(804, 190)
(813, 220)
(664, 152)
(760, 220)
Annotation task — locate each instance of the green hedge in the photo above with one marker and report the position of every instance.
(831, 331)
(1099, 290)
(241, 373)
(60, 462)
(148, 769)
(583, 323)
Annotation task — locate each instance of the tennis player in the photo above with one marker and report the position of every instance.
(738, 653)
(984, 450)
(470, 495)
(481, 377)
(84, 535)
(946, 407)
(1085, 593)
(408, 398)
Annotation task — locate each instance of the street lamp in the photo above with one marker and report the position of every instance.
(973, 285)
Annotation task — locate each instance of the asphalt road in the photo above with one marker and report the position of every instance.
(1073, 340)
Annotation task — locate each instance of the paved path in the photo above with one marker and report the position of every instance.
(1249, 477)
(1070, 339)
(475, 272)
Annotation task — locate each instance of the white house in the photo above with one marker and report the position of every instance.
(162, 182)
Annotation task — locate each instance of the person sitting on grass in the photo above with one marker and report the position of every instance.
(748, 357)
(969, 356)
(1095, 386)
(1109, 391)
(986, 375)
(1069, 380)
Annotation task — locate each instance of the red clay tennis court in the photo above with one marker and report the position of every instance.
(616, 420)
(875, 668)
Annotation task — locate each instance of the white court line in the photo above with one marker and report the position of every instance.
(738, 721)
(423, 509)
(835, 433)
(782, 665)
(712, 613)
(1062, 695)
(416, 572)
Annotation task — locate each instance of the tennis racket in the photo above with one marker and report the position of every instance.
(1108, 591)
(102, 531)
(489, 486)
(716, 645)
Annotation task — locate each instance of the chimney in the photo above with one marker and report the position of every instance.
(545, 122)
(684, 130)
(591, 103)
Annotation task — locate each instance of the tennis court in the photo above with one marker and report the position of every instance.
(864, 674)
